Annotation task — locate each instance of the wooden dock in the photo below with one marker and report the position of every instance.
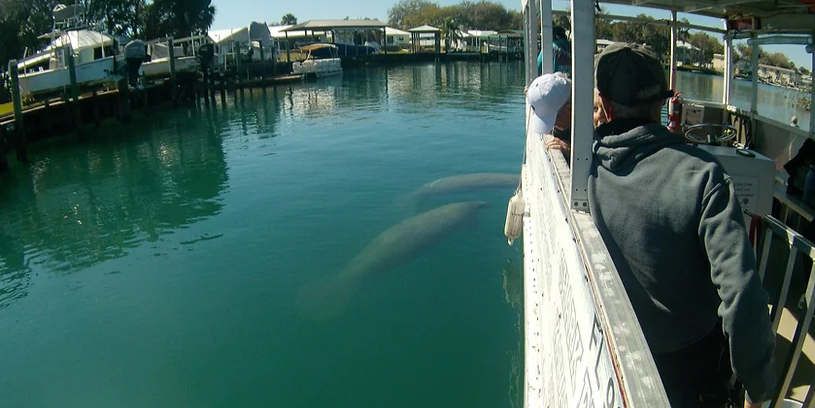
(75, 108)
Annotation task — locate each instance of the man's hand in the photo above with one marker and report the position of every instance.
(556, 143)
(752, 404)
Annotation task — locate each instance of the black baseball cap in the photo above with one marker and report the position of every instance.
(631, 75)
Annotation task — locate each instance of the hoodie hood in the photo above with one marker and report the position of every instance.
(623, 143)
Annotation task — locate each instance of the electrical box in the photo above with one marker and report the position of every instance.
(753, 177)
(692, 114)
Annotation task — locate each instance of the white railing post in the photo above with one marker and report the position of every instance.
(530, 31)
(812, 92)
(583, 46)
(547, 46)
(754, 96)
(728, 67)
(674, 39)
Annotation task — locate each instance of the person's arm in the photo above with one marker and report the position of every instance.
(745, 318)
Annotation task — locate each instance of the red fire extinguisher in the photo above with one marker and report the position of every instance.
(675, 113)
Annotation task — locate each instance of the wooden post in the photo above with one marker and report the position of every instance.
(3, 151)
(96, 120)
(18, 110)
(262, 63)
(288, 47)
(173, 89)
(145, 91)
(74, 88)
(206, 83)
(223, 89)
(124, 100)
(385, 40)
(237, 49)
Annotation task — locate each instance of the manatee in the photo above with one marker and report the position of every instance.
(328, 297)
(460, 184)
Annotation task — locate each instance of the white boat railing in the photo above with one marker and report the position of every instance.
(583, 343)
(772, 230)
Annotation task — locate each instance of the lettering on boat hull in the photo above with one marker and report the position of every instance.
(568, 362)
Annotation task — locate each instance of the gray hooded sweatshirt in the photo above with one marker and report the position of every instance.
(671, 222)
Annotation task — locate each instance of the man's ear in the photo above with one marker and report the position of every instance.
(607, 108)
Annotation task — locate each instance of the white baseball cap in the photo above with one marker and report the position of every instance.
(547, 94)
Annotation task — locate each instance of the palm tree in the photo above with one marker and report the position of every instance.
(450, 33)
(288, 19)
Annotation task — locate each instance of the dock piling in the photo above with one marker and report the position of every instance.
(96, 120)
(173, 85)
(124, 100)
(238, 73)
(22, 153)
(3, 149)
(74, 88)
(16, 100)
(262, 64)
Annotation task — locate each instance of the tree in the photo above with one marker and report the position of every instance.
(288, 19)
(803, 71)
(400, 12)
(21, 21)
(516, 20)
(603, 28)
(707, 46)
(116, 16)
(178, 18)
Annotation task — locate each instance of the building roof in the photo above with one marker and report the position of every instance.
(774, 68)
(395, 31)
(689, 46)
(424, 29)
(336, 24)
(479, 33)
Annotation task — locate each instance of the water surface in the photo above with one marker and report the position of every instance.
(156, 264)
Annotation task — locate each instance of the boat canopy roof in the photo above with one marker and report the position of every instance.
(253, 32)
(318, 46)
(327, 25)
(773, 15)
(79, 39)
(424, 29)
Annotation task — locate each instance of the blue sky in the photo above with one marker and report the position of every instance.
(238, 13)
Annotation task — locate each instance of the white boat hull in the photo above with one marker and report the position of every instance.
(162, 66)
(98, 71)
(320, 68)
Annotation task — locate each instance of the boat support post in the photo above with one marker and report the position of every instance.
(674, 38)
(173, 84)
(728, 67)
(531, 36)
(754, 68)
(812, 94)
(22, 154)
(583, 46)
(547, 45)
(74, 88)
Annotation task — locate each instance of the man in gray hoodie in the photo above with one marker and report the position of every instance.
(669, 217)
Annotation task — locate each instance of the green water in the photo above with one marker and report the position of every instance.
(158, 264)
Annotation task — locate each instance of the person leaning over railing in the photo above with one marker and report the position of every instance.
(670, 219)
(550, 96)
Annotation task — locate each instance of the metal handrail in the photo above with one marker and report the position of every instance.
(797, 244)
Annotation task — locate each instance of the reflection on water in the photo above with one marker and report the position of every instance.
(75, 208)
